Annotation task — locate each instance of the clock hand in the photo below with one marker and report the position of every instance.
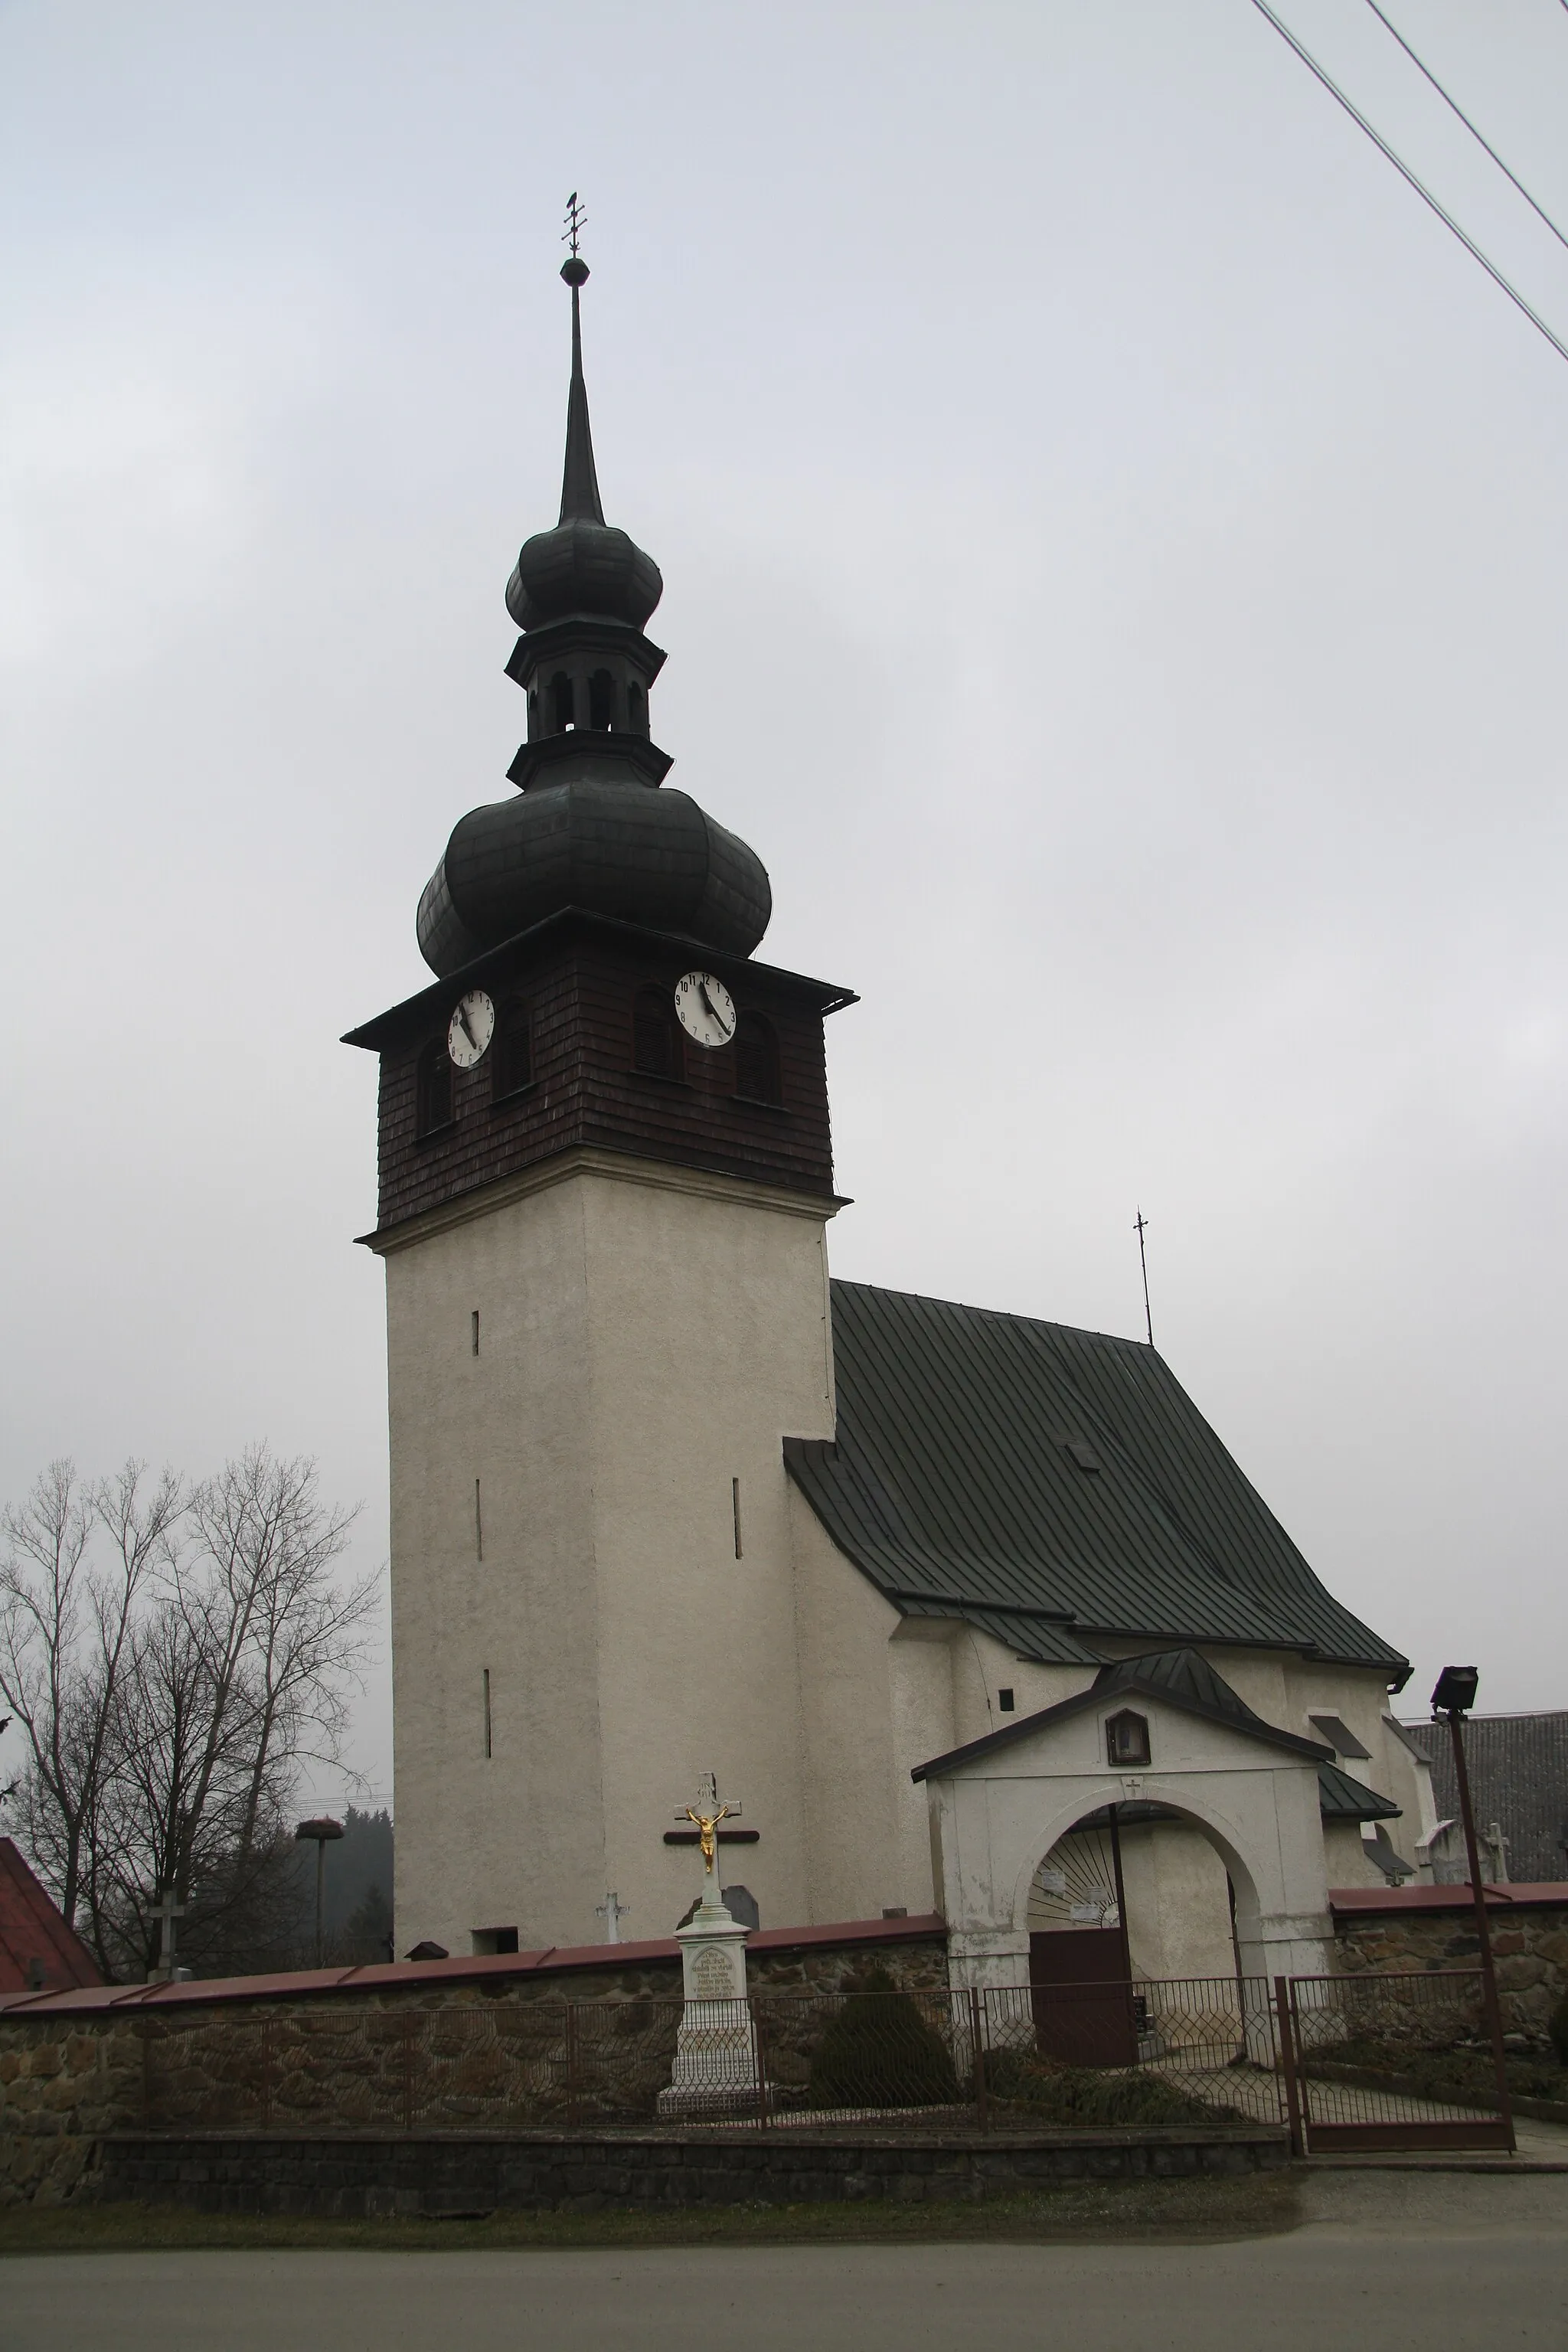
(713, 1011)
(467, 1033)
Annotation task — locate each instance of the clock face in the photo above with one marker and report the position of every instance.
(706, 1008)
(470, 1029)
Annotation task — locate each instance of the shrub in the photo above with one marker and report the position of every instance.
(1094, 2094)
(1557, 2026)
(879, 2051)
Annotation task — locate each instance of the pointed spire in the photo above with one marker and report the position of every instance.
(580, 484)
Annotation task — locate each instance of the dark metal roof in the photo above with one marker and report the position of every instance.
(957, 1485)
(1180, 1678)
(1343, 1798)
(1519, 1779)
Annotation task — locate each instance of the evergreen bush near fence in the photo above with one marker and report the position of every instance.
(1094, 2094)
(881, 2051)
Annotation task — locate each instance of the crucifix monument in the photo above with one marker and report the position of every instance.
(715, 2057)
(168, 1909)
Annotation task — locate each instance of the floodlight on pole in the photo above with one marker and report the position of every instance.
(320, 1833)
(1454, 1697)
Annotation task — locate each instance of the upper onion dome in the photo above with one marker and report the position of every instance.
(583, 565)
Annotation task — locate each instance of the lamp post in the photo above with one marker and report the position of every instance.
(320, 1833)
(1454, 1697)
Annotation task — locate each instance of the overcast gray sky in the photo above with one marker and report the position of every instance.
(1114, 543)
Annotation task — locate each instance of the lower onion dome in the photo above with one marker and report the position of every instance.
(649, 857)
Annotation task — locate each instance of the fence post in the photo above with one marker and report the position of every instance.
(147, 2030)
(571, 2007)
(268, 2030)
(977, 2048)
(759, 2047)
(1288, 2066)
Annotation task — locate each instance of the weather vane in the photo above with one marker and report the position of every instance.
(576, 219)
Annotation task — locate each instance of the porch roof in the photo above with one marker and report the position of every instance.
(1178, 1678)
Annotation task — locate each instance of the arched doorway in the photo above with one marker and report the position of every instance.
(1133, 1894)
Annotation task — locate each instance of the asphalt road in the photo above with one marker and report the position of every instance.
(1386, 2262)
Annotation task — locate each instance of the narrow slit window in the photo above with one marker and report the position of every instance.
(488, 1748)
(757, 1061)
(656, 1047)
(478, 1525)
(735, 1509)
(1006, 1701)
(476, 1330)
(514, 1063)
(432, 1088)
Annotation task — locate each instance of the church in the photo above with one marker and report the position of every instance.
(968, 1614)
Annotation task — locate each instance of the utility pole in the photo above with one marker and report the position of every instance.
(320, 1833)
(1453, 1697)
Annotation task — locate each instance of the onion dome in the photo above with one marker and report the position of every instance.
(591, 826)
(581, 566)
(649, 857)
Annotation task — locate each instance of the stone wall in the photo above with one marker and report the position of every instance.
(1530, 1944)
(74, 2069)
(479, 2175)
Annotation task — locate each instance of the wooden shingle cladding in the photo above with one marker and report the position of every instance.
(580, 978)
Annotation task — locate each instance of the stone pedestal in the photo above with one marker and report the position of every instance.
(716, 2063)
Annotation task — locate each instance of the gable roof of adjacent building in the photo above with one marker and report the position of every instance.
(38, 1951)
(1518, 1766)
(1054, 1487)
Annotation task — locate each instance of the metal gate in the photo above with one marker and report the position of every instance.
(1391, 2062)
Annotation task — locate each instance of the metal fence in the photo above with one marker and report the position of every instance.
(1395, 2062)
(1365, 2061)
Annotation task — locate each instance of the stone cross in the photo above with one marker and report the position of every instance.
(611, 1911)
(168, 1910)
(707, 1808)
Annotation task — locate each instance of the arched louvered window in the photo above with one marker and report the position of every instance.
(601, 700)
(757, 1060)
(434, 1088)
(513, 1049)
(655, 1038)
(636, 708)
(560, 702)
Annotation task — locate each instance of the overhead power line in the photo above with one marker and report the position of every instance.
(1453, 103)
(1425, 193)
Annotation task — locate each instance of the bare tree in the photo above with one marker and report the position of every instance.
(66, 1631)
(172, 1699)
(240, 1678)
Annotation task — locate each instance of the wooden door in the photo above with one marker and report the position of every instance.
(1082, 2000)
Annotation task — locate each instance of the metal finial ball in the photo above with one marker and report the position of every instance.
(574, 270)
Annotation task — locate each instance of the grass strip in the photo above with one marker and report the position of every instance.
(1247, 2205)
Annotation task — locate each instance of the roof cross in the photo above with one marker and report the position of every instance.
(166, 1911)
(576, 220)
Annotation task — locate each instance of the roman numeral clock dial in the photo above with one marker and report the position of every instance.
(706, 1008)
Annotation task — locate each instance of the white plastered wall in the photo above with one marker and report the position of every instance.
(647, 1335)
(997, 1815)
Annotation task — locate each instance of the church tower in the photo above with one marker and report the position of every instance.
(605, 1179)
